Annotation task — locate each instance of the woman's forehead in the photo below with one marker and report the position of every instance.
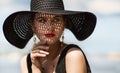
(47, 15)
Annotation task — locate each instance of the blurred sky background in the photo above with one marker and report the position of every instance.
(102, 48)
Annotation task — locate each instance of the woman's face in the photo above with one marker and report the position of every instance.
(48, 27)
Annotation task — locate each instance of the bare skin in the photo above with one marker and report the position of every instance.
(45, 55)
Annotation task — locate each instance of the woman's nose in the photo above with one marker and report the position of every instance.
(50, 26)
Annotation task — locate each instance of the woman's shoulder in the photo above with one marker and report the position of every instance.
(75, 60)
(72, 47)
(74, 51)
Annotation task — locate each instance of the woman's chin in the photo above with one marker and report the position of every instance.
(50, 42)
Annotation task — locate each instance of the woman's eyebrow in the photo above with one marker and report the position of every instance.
(57, 16)
(39, 17)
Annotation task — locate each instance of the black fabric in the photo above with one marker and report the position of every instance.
(11, 35)
(60, 68)
(29, 64)
(61, 63)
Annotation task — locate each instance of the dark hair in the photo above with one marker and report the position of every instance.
(32, 16)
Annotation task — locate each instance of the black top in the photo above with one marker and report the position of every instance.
(60, 68)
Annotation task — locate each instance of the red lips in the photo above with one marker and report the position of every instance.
(49, 35)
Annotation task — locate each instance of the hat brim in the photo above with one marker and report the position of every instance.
(82, 25)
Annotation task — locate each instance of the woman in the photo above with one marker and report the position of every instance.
(47, 20)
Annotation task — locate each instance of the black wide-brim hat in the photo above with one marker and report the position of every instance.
(18, 32)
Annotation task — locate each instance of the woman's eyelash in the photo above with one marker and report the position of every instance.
(42, 20)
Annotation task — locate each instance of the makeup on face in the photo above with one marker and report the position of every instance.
(49, 35)
(49, 26)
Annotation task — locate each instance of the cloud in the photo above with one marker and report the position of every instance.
(4, 1)
(79, 5)
(98, 6)
(10, 6)
(74, 4)
(105, 6)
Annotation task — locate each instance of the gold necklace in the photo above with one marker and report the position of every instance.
(57, 52)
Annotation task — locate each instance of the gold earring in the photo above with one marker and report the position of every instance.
(34, 40)
(62, 38)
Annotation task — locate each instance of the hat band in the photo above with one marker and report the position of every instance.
(49, 5)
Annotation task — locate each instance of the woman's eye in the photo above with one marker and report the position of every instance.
(56, 20)
(42, 20)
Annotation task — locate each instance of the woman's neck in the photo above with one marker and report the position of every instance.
(54, 50)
